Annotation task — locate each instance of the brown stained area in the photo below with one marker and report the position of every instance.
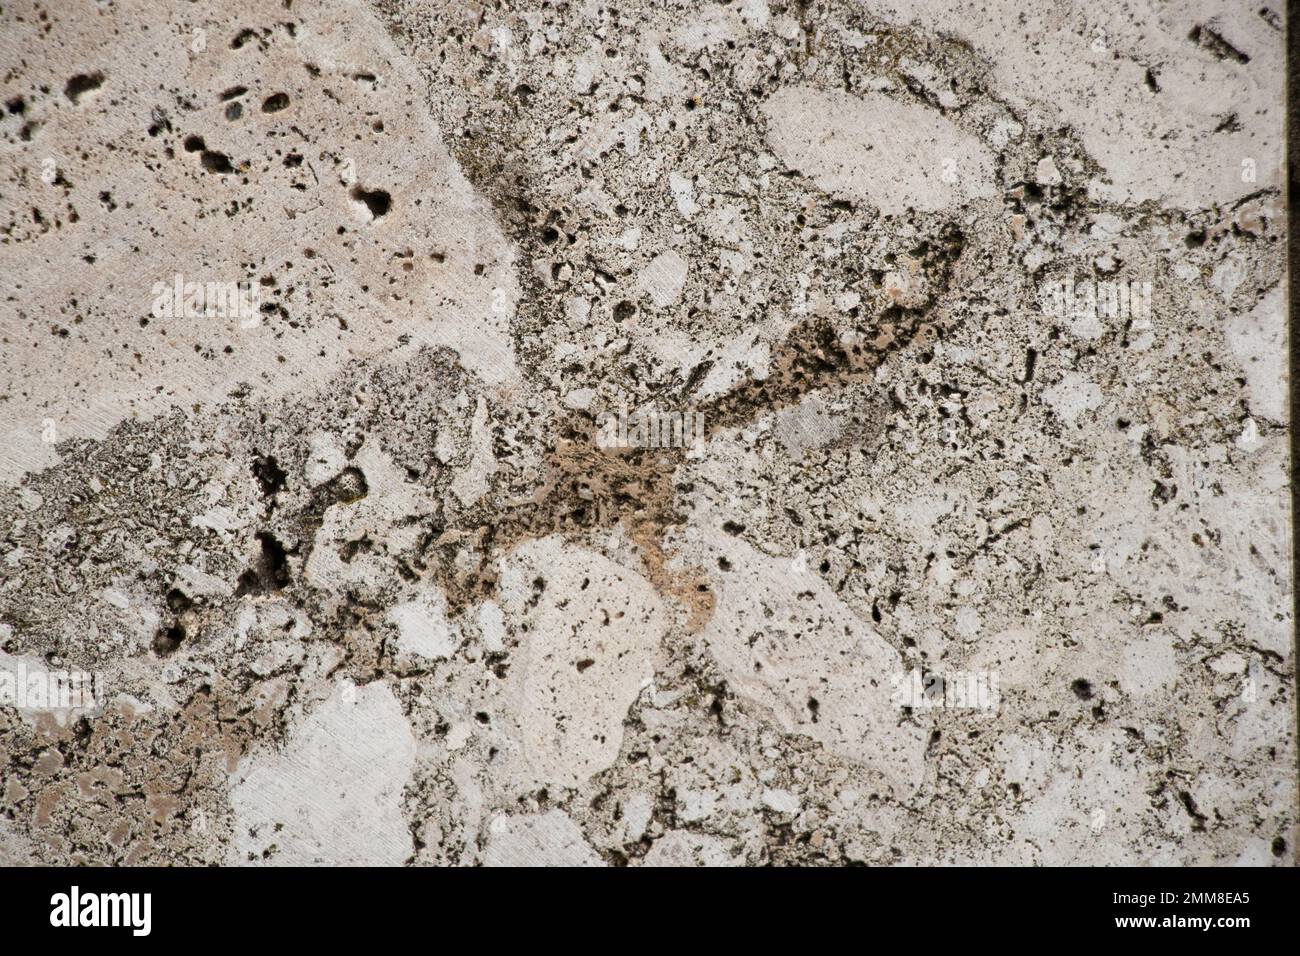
(128, 775)
(586, 488)
(589, 488)
(815, 355)
(633, 487)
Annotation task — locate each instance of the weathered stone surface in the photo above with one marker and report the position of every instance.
(745, 433)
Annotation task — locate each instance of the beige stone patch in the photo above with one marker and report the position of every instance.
(663, 278)
(592, 630)
(1086, 64)
(789, 643)
(333, 795)
(685, 848)
(1256, 339)
(878, 150)
(279, 198)
(547, 839)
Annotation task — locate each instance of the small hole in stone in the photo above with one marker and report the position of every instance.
(82, 84)
(378, 201)
(168, 640)
(275, 103)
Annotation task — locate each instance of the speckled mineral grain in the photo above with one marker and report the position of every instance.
(660, 434)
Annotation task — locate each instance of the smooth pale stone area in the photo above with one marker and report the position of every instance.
(546, 839)
(350, 284)
(878, 150)
(377, 517)
(812, 648)
(1257, 342)
(1085, 64)
(663, 278)
(593, 630)
(685, 848)
(333, 795)
(422, 627)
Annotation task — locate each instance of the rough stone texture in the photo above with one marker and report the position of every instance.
(363, 587)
